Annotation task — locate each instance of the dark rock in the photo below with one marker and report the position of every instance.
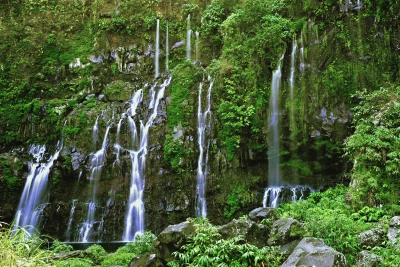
(172, 239)
(255, 234)
(284, 231)
(314, 252)
(367, 259)
(146, 260)
(258, 214)
(372, 237)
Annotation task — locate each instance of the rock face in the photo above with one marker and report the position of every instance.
(255, 234)
(146, 260)
(258, 214)
(284, 230)
(394, 227)
(171, 240)
(372, 238)
(367, 259)
(313, 252)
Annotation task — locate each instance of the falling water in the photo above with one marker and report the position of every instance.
(292, 70)
(95, 131)
(203, 129)
(197, 46)
(273, 144)
(35, 196)
(96, 165)
(166, 48)
(157, 55)
(71, 215)
(275, 195)
(271, 197)
(189, 33)
(302, 54)
(134, 220)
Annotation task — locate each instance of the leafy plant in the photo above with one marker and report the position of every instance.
(206, 248)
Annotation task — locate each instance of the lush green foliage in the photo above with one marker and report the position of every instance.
(125, 254)
(321, 213)
(374, 148)
(206, 248)
(174, 151)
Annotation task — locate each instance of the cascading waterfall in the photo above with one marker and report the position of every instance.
(96, 165)
(275, 195)
(292, 71)
(188, 34)
(35, 196)
(71, 217)
(274, 179)
(134, 220)
(157, 55)
(302, 66)
(203, 129)
(197, 46)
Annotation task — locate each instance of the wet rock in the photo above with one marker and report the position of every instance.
(372, 237)
(255, 234)
(285, 230)
(171, 240)
(314, 252)
(258, 214)
(367, 259)
(146, 260)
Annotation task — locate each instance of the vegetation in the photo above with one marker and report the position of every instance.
(206, 248)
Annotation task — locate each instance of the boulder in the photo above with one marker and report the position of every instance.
(372, 237)
(171, 239)
(392, 234)
(285, 230)
(146, 260)
(255, 234)
(258, 214)
(395, 222)
(367, 259)
(312, 251)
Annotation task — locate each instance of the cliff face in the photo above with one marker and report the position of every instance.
(77, 69)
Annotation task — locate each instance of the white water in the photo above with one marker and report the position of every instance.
(71, 217)
(96, 165)
(302, 54)
(292, 71)
(197, 46)
(157, 55)
(273, 196)
(35, 197)
(188, 34)
(134, 219)
(203, 129)
(274, 178)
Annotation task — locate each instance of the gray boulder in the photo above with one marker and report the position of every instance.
(392, 234)
(258, 214)
(171, 239)
(285, 230)
(372, 237)
(146, 260)
(255, 234)
(367, 259)
(314, 252)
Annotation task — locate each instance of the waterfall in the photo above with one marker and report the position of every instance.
(166, 48)
(134, 219)
(96, 165)
(275, 195)
(34, 196)
(273, 144)
(197, 46)
(292, 71)
(302, 66)
(188, 34)
(157, 47)
(95, 131)
(203, 129)
(71, 215)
